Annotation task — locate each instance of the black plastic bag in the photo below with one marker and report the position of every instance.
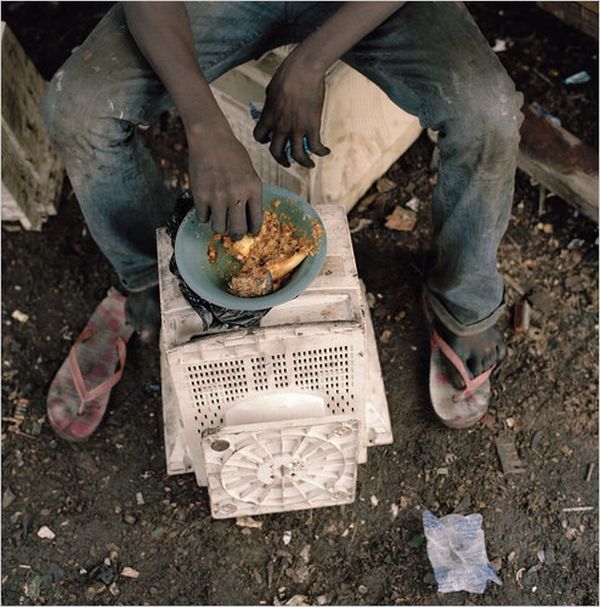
(212, 316)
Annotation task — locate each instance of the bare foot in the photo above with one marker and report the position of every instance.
(478, 352)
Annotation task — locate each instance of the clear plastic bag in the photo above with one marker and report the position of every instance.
(456, 550)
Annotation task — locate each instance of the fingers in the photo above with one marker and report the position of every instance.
(315, 145)
(236, 220)
(254, 211)
(277, 148)
(299, 154)
(219, 215)
(202, 208)
(262, 130)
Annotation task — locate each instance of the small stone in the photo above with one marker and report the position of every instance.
(385, 185)
(374, 501)
(130, 519)
(510, 422)
(394, 510)
(287, 537)
(20, 316)
(139, 498)
(113, 589)
(45, 512)
(566, 451)
(248, 521)
(130, 572)
(385, 336)
(548, 228)
(8, 497)
(362, 589)
(371, 300)
(322, 599)
(46, 533)
(511, 556)
(497, 564)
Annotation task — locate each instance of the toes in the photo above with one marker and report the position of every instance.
(475, 366)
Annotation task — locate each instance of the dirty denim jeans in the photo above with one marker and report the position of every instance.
(429, 58)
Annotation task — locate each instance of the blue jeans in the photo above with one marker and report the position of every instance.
(429, 58)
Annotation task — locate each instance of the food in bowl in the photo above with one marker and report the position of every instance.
(269, 258)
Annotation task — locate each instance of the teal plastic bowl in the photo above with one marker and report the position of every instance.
(209, 281)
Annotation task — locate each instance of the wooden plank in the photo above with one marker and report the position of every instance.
(560, 161)
(582, 15)
(31, 170)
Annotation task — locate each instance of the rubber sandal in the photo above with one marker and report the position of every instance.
(456, 408)
(80, 391)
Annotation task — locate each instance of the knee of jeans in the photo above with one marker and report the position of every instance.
(75, 113)
(494, 114)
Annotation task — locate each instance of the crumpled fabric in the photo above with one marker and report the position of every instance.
(456, 550)
(212, 316)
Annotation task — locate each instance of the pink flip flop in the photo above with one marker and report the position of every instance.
(80, 391)
(456, 408)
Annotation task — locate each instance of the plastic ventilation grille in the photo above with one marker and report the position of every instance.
(214, 384)
(281, 466)
(328, 370)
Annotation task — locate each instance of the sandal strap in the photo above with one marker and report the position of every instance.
(470, 384)
(85, 395)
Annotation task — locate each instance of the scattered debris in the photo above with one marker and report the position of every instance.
(297, 599)
(305, 553)
(463, 505)
(535, 441)
(413, 204)
(8, 497)
(130, 519)
(394, 510)
(578, 78)
(113, 589)
(541, 555)
(510, 422)
(374, 501)
(578, 509)
(509, 457)
(158, 532)
(385, 185)
(360, 225)
(20, 316)
(497, 564)
(442, 471)
(248, 521)
(130, 572)
(522, 316)
(590, 470)
(46, 533)
(401, 219)
(287, 537)
(362, 589)
(499, 46)
(323, 599)
(139, 498)
(566, 451)
(385, 336)
(365, 203)
(33, 587)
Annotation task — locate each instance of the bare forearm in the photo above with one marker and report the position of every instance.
(345, 28)
(163, 34)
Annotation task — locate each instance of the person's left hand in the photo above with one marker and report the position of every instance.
(292, 111)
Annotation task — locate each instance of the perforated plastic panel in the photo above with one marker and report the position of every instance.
(281, 466)
(330, 371)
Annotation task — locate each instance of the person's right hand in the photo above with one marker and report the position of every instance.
(225, 186)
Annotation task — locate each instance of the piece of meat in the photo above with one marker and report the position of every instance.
(251, 283)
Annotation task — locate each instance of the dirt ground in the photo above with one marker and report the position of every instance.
(545, 401)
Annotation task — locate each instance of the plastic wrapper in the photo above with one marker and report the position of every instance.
(456, 550)
(212, 316)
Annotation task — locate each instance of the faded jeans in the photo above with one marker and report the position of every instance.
(429, 58)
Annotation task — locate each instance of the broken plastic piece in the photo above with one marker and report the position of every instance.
(578, 78)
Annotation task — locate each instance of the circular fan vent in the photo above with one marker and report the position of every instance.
(281, 466)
